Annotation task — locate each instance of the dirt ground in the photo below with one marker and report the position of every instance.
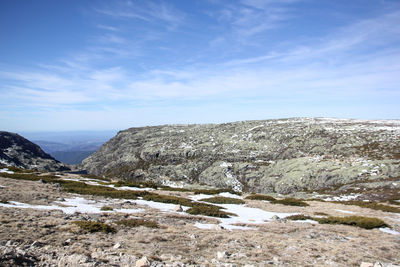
(47, 237)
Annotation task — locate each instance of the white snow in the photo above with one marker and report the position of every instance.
(199, 197)
(225, 165)
(227, 194)
(5, 170)
(389, 231)
(343, 198)
(158, 205)
(2, 186)
(70, 206)
(346, 211)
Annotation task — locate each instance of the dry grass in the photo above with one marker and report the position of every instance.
(371, 205)
(299, 217)
(290, 202)
(359, 221)
(106, 208)
(93, 227)
(137, 223)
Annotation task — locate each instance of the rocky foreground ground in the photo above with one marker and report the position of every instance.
(38, 236)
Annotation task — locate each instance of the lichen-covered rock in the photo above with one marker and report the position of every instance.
(282, 156)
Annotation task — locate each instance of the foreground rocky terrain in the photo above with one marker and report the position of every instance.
(43, 218)
(271, 156)
(17, 151)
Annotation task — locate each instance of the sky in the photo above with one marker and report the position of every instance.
(82, 65)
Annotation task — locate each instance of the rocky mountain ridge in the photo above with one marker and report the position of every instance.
(269, 156)
(17, 151)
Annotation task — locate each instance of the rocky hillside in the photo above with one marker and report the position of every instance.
(17, 151)
(270, 156)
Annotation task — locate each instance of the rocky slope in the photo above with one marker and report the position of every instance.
(17, 151)
(281, 156)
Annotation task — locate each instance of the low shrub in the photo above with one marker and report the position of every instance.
(92, 227)
(4, 201)
(106, 208)
(137, 223)
(223, 200)
(175, 189)
(214, 191)
(136, 184)
(359, 221)
(168, 199)
(299, 217)
(371, 205)
(321, 214)
(260, 197)
(93, 176)
(290, 202)
(209, 210)
(85, 189)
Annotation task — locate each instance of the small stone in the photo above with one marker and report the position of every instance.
(60, 199)
(178, 208)
(217, 227)
(9, 243)
(67, 242)
(378, 264)
(117, 245)
(42, 181)
(143, 262)
(222, 255)
(36, 244)
(366, 264)
(275, 218)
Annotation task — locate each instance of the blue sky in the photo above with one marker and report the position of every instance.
(99, 65)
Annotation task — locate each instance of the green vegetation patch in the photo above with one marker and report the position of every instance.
(168, 199)
(209, 210)
(290, 202)
(224, 200)
(93, 227)
(214, 191)
(359, 221)
(260, 197)
(138, 222)
(85, 189)
(136, 184)
(106, 208)
(371, 205)
(92, 176)
(299, 217)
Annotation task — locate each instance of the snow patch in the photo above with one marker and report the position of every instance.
(5, 170)
(227, 194)
(346, 211)
(389, 231)
(70, 206)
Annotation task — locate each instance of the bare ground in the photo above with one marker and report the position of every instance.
(47, 238)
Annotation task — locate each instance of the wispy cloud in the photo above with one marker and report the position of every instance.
(147, 11)
(252, 17)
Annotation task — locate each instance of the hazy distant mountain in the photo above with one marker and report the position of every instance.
(70, 147)
(17, 151)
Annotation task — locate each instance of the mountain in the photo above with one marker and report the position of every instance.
(70, 147)
(17, 151)
(281, 156)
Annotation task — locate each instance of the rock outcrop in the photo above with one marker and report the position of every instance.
(281, 156)
(17, 151)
